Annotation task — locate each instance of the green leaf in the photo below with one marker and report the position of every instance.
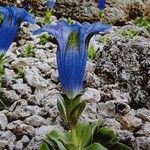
(120, 146)
(62, 108)
(44, 146)
(60, 146)
(96, 146)
(71, 147)
(57, 140)
(106, 136)
(107, 132)
(70, 109)
(81, 135)
(91, 52)
(76, 112)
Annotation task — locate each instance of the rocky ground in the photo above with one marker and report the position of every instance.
(116, 85)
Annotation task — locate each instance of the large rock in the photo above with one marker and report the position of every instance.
(125, 61)
(116, 12)
(141, 143)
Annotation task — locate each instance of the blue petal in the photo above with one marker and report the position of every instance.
(12, 18)
(101, 4)
(91, 29)
(72, 51)
(51, 3)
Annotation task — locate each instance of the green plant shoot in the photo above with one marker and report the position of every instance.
(28, 51)
(20, 73)
(143, 22)
(44, 39)
(130, 33)
(48, 16)
(91, 52)
(70, 109)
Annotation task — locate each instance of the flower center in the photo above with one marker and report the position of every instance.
(1, 18)
(73, 40)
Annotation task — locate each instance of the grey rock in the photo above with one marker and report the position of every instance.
(113, 92)
(116, 11)
(92, 80)
(3, 121)
(52, 61)
(34, 79)
(8, 136)
(11, 95)
(90, 66)
(43, 130)
(111, 122)
(40, 53)
(90, 113)
(54, 75)
(143, 114)
(130, 121)
(44, 96)
(25, 139)
(43, 66)
(10, 76)
(18, 110)
(91, 94)
(119, 11)
(141, 143)
(34, 110)
(22, 88)
(11, 146)
(32, 145)
(144, 131)
(76, 10)
(120, 56)
(22, 62)
(20, 129)
(3, 144)
(19, 145)
(35, 121)
(106, 109)
(125, 135)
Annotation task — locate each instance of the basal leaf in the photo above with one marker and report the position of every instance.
(81, 134)
(44, 146)
(95, 146)
(120, 146)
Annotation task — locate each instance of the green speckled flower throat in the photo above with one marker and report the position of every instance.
(73, 40)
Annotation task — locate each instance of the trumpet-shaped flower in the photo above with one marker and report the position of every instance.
(72, 50)
(12, 19)
(51, 3)
(101, 4)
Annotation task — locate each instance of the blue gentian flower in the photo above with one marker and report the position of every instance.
(101, 4)
(72, 51)
(12, 19)
(51, 3)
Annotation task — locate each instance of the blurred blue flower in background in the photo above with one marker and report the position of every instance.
(12, 19)
(101, 4)
(51, 3)
(72, 51)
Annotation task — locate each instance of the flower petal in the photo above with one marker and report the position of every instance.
(12, 18)
(101, 4)
(51, 3)
(91, 29)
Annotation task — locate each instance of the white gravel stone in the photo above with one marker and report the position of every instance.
(3, 121)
